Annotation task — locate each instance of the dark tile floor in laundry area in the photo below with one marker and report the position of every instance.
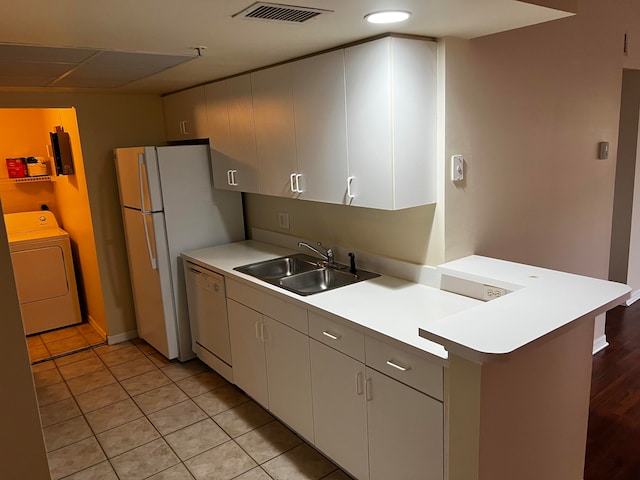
(125, 412)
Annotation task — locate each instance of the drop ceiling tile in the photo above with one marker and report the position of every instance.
(28, 53)
(33, 69)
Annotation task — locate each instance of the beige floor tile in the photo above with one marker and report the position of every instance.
(101, 397)
(43, 366)
(75, 357)
(52, 393)
(255, 474)
(145, 348)
(58, 412)
(301, 463)
(160, 360)
(122, 371)
(122, 355)
(337, 475)
(83, 367)
(144, 461)
(91, 381)
(220, 400)
(145, 382)
(38, 352)
(46, 377)
(127, 437)
(160, 398)
(103, 349)
(113, 415)
(176, 417)
(178, 371)
(242, 419)
(34, 340)
(93, 338)
(268, 441)
(60, 334)
(201, 383)
(197, 438)
(179, 472)
(75, 457)
(101, 471)
(220, 463)
(67, 345)
(65, 433)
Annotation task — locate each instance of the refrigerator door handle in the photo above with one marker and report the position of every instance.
(141, 180)
(152, 259)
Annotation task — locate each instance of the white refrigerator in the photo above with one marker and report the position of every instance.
(169, 206)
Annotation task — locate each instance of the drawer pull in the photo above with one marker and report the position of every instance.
(398, 367)
(331, 335)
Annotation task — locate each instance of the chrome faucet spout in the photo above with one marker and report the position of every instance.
(327, 255)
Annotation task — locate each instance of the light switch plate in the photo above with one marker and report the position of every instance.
(457, 168)
(283, 220)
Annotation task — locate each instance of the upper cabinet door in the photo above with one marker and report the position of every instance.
(275, 129)
(232, 134)
(185, 115)
(320, 127)
(391, 122)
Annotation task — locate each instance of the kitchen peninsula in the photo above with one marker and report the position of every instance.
(478, 369)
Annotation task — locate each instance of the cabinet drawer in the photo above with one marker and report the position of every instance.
(337, 335)
(405, 367)
(269, 305)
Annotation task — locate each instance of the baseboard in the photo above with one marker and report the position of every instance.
(96, 326)
(600, 343)
(122, 337)
(635, 295)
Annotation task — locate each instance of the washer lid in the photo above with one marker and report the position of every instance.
(36, 236)
(30, 221)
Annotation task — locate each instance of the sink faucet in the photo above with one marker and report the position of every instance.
(327, 255)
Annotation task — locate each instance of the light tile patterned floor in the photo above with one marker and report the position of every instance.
(124, 412)
(62, 341)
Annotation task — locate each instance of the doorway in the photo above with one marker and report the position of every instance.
(24, 132)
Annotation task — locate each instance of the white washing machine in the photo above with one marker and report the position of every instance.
(43, 268)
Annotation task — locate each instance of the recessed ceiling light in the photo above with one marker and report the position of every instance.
(387, 16)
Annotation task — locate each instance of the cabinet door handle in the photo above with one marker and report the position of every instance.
(298, 189)
(331, 335)
(258, 331)
(234, 178)
(359, 389)
(230, 177)
(292, 181)
(368, 390)
(349, 192)
(183, 127)
(391, 363)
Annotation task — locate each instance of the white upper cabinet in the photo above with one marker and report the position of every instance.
(232, 134)
(320, 127)
(391, 123)
(275, 130)
(185, 115)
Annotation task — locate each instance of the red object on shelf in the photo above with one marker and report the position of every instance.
(16, 167)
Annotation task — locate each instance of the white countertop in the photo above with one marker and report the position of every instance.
(436, 321)
(385, 305)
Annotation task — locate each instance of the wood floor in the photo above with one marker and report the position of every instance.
(613, 443)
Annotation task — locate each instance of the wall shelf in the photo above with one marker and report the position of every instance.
(39, 178)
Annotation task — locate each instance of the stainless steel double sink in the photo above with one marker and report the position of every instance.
(304, 274)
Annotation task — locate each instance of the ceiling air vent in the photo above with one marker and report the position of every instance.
(280, 13)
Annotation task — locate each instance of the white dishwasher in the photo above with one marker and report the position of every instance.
(208, 318)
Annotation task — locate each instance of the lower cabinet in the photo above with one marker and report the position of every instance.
(340, 408)
(323, 379)
(272, 365)
(405, 431)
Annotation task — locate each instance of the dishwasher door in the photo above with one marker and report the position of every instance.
(208, 313)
